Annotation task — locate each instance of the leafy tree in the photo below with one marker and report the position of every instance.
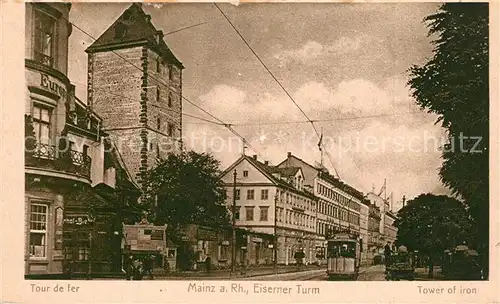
(186, 188)
(431, 224)
(454, 85)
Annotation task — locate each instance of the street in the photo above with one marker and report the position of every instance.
(371, 273)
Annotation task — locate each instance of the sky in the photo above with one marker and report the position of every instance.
(345, 65)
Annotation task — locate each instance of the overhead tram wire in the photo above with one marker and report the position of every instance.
(276, 80)
(163, 108)
(228, 126)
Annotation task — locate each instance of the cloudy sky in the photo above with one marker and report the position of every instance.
(344, 64)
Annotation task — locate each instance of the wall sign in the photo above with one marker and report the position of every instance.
(78, 220)
(50, 84)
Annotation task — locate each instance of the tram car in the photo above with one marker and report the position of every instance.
(343, 257)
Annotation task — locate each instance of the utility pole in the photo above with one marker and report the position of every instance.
(275, 245)
(233, 257)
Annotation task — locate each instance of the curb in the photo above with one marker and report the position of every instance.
(237, 276)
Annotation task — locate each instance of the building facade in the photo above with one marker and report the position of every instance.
(339, 205)
(387, 217)
(274, 201)
(363, 231)
(69, 185)
(375, 237)
(135, 85)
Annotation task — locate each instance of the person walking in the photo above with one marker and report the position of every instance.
(387, 255)
(148, 266)
(138, 270)
(128, 267)
(208, 264)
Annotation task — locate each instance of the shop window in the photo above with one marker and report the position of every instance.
(38, 230)
(171, 253)
(250, 194)
(83, 253)
(44, 38)
(264, 213)
(41, 123)
(264, 194)
(249, 213)
(223, 252)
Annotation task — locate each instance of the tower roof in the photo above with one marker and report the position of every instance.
(133, 28)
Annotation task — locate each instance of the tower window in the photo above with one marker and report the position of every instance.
(158, 66)
(171, 73)
(158, 123)
(170, 129)
(158, 93)
(170, 100)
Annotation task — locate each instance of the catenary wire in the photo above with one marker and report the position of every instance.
(228, 126)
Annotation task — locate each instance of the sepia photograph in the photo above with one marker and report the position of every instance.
(257, 141)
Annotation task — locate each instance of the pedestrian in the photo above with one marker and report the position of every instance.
(138, 270)
(128, 267)
(148, 266)
(208, 263)
(387, 255)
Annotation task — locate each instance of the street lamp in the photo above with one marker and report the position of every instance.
(275, 246)
(233, 256)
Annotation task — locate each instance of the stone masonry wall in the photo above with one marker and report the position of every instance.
(160, 91)
(116, 96)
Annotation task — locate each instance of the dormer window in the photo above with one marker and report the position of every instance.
(120, 30)
(158, 36)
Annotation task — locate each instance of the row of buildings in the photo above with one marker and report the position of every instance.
(301, 205)
(85, 160)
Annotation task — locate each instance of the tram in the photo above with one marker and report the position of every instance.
(343, 257)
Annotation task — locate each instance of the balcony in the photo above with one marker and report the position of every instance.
(48, 157)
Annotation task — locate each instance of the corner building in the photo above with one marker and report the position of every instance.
(71, 225)
(273, 201)
(135, 85)
(339, 204)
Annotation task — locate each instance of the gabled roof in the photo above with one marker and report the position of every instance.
(133, 27)
(328, 177)
(289, 171)
(268, 171)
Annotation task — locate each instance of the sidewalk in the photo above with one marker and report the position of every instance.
(422, 274)
(223, 274)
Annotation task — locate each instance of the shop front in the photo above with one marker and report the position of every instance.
(145, 241)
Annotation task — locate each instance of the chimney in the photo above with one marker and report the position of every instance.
(289, 154)
(266, 163)
(254, 157)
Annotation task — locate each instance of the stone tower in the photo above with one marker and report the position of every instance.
(135, 85)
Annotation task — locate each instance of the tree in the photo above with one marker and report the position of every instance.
(454, 85)
(186, 188)
(431, 224)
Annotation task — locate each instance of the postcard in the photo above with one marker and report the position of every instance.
(250, 152)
